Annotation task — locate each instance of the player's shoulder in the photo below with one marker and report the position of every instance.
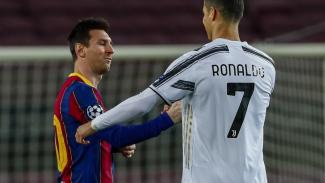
(71, 84)
(206, 49)
(197, 54)
(81, 88)
(259, 53)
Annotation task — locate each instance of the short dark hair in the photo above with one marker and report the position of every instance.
(231, 10)
(80, 32)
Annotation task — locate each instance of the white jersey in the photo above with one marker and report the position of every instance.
(225, 87)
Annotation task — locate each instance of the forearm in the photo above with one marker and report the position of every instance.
(131, 108)
(119, 136)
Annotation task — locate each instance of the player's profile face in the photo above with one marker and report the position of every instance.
(99, 52)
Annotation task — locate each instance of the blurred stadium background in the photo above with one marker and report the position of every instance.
(148, 35)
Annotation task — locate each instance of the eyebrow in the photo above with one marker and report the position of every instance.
(105, 40)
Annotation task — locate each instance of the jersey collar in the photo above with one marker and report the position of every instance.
(227, 41)
(85, 80)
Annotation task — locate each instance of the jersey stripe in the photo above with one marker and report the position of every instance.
(105, 155)
(189, 62)
(68, 174)
(251, 51)
(60, 145)
(184, 85)
(66, 170)
(75, 109)
(187, 122)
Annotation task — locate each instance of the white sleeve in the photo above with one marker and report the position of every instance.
(130, 108)
(178, 81)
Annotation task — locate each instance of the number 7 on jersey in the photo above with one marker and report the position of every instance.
(248, 89)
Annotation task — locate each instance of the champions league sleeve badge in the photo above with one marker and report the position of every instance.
(94, 110)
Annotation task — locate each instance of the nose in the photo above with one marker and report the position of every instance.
(110, 49)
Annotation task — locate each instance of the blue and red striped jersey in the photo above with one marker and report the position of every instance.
(79, 102)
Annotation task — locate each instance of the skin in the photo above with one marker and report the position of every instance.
(95, 59)
(216, 26)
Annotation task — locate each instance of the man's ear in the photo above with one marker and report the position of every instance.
(80, 50)
(214, 13)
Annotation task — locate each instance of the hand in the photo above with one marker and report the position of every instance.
(84, 131)
(175, 112)
(166, 107)
(128, 151)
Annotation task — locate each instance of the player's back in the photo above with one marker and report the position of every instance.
(223, 118)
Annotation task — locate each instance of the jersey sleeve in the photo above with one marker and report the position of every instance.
(85, 107)
(178, 80)
(120, 136)
(132, 107)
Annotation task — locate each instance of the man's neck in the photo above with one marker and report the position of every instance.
(226, 31)
(88, 74)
